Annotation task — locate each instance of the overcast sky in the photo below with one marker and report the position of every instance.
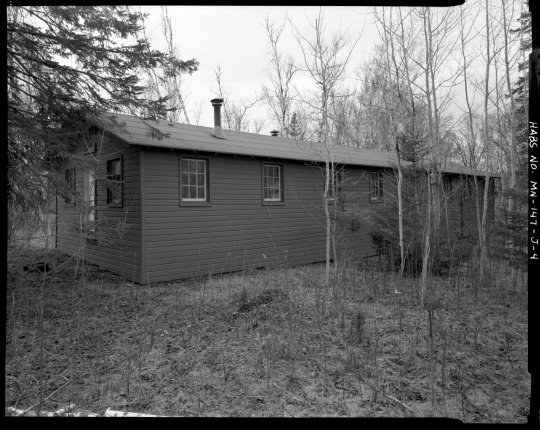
(234, 38)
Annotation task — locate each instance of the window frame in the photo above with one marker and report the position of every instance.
(72, 185)
(208, 181)
(120, 182)
(379, 187)
(281, 201)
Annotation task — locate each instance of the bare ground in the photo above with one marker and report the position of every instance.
(265, 343)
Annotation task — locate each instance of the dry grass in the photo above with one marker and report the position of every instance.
(265, 343)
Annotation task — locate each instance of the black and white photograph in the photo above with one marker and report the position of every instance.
(272, 211)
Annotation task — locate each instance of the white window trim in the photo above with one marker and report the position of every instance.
(187, 199)
(279, 199)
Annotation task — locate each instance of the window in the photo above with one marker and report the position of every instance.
(71, 181)
(194, 181)
(114, 183)
(90, 201)
(273, 183)
(375, 187)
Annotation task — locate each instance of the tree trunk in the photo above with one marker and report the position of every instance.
(512, 184)
(400, 211)
(427, 232)
(483, 242)
(393, 109)
(327, 215)
(435, 136)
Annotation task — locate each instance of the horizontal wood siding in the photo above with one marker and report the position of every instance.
(237, 231)
(121, 252)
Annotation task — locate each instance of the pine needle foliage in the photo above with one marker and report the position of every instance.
(67, 65)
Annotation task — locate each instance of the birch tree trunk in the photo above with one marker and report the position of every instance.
(428, 227)
(405, 60)
(434, 132)
(483, 231)
(400, 210)
(392, 107)
(512, 184)
(471, 141)
(328, 173)
(397, 130)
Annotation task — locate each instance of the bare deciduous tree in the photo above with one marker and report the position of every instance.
(279, 94)
(325, 61)
(258, 125)
(160, 83)
(235, 113)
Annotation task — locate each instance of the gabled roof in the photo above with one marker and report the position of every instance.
(198, 138)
